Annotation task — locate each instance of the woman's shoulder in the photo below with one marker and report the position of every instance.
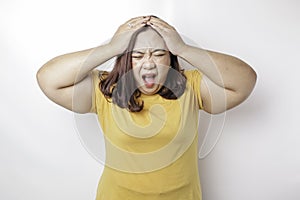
(99, 73)
(192, 74)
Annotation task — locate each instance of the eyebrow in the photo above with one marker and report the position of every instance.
(136, 51)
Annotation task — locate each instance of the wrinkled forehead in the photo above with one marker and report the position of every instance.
(149, 39)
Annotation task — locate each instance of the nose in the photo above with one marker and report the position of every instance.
(149, 64)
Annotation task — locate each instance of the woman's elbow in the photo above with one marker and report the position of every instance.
(250, 82)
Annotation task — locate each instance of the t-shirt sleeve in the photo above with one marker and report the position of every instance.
(98, 99)
(95, 89)
(194, 78)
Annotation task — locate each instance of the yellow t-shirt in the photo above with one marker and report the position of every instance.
(151, 154)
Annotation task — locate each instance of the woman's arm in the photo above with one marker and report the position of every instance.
(227, 81)
(67, 80)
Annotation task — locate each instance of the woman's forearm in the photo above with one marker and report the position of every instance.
(224, 70)
(68, 69)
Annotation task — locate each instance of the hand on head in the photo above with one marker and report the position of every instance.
(121, 38)
(172, 38)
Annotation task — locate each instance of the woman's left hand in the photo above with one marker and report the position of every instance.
(172, 38)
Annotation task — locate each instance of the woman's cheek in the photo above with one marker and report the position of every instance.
(135, 64)
(165, 61)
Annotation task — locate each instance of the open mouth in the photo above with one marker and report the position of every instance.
(149, 80)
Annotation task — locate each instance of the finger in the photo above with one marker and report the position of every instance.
(129, 28)
(137, 22)
(134, 26)
(160, 22)
(159, 27)
(134, 20)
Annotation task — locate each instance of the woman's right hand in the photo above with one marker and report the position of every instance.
(121, 38)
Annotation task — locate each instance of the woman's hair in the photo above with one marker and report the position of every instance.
(120, 86)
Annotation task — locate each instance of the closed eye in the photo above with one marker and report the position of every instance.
(159, 52)
(158, 55)
(137, 56)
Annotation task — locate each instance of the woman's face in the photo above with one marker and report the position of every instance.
(150, 62)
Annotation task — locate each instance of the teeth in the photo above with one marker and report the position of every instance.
(148, 76)
(149, 80)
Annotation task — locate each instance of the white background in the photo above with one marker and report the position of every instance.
(257, 156)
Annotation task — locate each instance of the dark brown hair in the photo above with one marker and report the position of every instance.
(120, 86)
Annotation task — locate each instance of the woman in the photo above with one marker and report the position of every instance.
(147, 105)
